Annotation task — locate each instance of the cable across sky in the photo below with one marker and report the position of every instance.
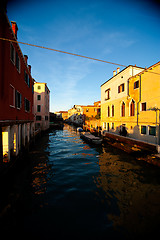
(60, 51)
(73, 54)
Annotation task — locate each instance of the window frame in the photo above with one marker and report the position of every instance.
(149, 130)
(18, 100)
(131, 109)
(17, 63)
(112, 110)
(108, 111)
(39, 106)
(26, 101)
(136, 84)
(107, 94)
(121, 88)
(26, 78)
(12, 48)
(13, 88)
(123, 109)
(142, 127)
(142, 106)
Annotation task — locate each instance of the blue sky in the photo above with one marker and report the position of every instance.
(124, 32)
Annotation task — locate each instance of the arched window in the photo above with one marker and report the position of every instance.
(132, 108)
(108, 111)
(112, 110)
(123, 109)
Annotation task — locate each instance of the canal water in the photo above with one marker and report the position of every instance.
(71, 189)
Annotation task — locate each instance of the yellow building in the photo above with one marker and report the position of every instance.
(125, 102)
(145, 100)
(92, 115)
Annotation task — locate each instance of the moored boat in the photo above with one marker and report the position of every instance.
(79, 129)
(88, 137)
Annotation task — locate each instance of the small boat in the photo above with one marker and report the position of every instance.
(79, 129)
(88, 137)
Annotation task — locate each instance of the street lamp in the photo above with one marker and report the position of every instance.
(157, 129)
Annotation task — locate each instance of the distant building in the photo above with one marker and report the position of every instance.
(16, 92)
(92, 115)
(81, 114)
(91, 111)
(41, 105)
(75, 115)
(62, 114)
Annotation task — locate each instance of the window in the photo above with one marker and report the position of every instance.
(107, 94)
(11, 96)
(132, 108)
(46, 118)
(143, 129)
(112, 125)
(38, 97)
(26, 105)
(18, 99)
(38, 118)
(108, 127)
(108, 111)
(38, 108)
(39, 87)
(121, 88)
(17, 62)
(143, 106)
(87, 110)
(12, 53)
(26, 78)
(112, 110)
(152, 130)
(136, 84)
(123, 110)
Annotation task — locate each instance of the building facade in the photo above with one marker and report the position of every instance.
(75, 115)
(16, 92)
(144, 105)
(89, 114)
(41, 105)
(92, 115)
(126, 99)
(62, 114)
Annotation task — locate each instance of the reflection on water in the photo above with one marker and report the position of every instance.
(133, 191)
(77, 190)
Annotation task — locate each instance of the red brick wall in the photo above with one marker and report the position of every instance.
(9, 75)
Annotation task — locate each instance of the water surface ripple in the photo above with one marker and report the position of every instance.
(90, 193)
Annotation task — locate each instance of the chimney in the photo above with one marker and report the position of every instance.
(14, 28)
(118, 69)
(29, 67)
(114, 72)
(25, 58)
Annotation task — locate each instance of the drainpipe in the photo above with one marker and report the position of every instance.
(128, 88)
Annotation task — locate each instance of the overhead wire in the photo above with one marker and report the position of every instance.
(69, 53)
(60, 51)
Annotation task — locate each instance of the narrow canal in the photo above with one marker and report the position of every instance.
(70, 189)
